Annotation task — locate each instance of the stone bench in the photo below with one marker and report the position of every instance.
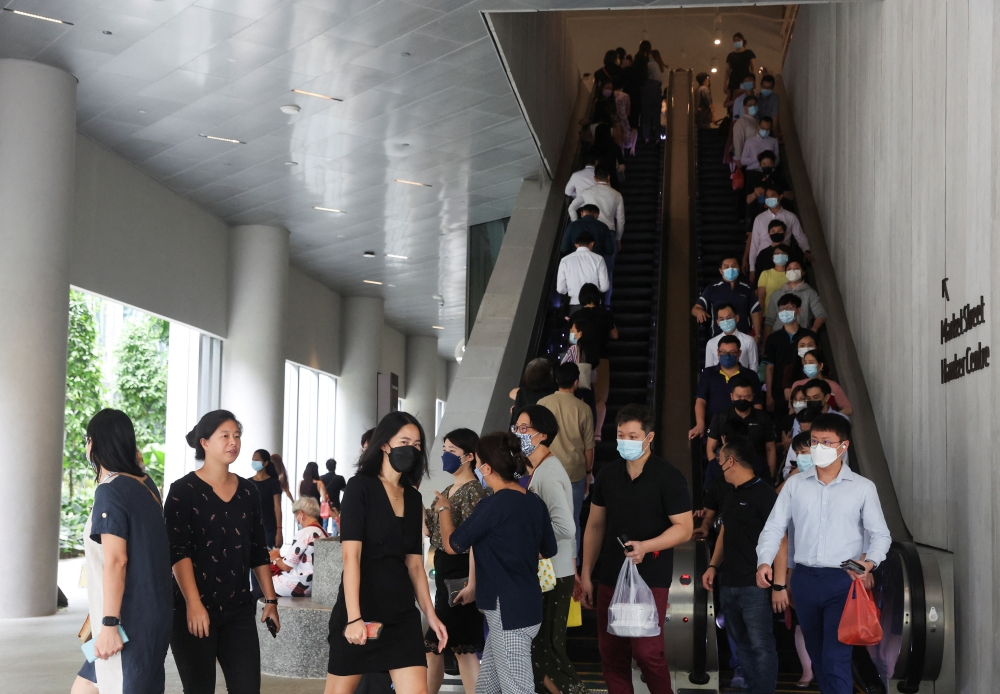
(301, 649)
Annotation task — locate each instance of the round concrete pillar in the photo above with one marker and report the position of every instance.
(37, 153)
(253, 361)
(362, 320)
(421, 383)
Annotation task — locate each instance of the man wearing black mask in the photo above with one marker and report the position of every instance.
(776, 231)
(760, 429)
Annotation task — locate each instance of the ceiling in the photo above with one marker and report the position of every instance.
(425, 99)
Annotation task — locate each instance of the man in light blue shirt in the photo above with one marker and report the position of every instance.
(830, 508)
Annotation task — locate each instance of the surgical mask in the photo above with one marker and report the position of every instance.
(804, 462)
(742, 406)
(824, 456)
(771, 203)
(527, 447)
(573, 339)
(814, 405)
(778, 238)
(786, 317)
(780, 259)
(752, 110)
(630, 450)
(450, 462)
(766, 169)
(765, 92)
(730, 274)
(737, 45)
(257, 465)
(764, 132)
(728, 361)
(793, 275)
(727, 325)
(803, 351)
(798, 405)
(746, 86)
(402, 458)
(479, 476)
(810, 370)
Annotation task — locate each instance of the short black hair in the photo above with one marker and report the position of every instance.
(590, 294)
(783, 248)
(701, 77)
(728, 257)
(584, 238)
(601, 171)
(331, 465)
(370, 462)
(542, 420)
(766, 154)
(833, 424)
(537, 375)
(567, 374)
(767, 78)
(590, 209)
(204, 429)
(635, 412)
(765, 118)
(725, 304)
(749, 97)
(775, 186)
(730, 340)
(818, 383)
(790, 298)
(501, 450)
(739, 381)
(802, 440)
(775, 223)
(465, 439)
(808, 416)
(739, 448)
(112, 443)
(740, 35)
(645, 45)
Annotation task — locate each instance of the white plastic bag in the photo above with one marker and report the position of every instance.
(632, 613)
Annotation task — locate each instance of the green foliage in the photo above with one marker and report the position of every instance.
(154, 458)
(141, 377)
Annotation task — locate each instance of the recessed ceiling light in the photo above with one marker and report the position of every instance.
(328, 209)
(405, 55)
(222, 139)
(390, 285)
(405, 144)
(718, 41)
(397, 257)
(438, 327)
(106, 33)
(437, 297)
(370, 282)
(141, 111)
(413, 183)
(318, 96)
(715, 69)
(369, 254)
(232, 60)
(291, 109)
(37, 16)
(341, 236)
(291, 163)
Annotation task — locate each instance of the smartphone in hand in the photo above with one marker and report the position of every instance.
(856, 567)
(623, 541)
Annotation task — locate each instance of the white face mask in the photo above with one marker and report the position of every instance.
(803, 351)
(824, 456)
(798, 405)
(793, 275)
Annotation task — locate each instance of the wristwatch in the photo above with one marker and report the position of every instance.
(111, 621)
(777, 586)
(270, 602)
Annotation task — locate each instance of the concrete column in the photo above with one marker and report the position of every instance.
(422, 381)
(37, 151)
(253, 362)
(356, 388)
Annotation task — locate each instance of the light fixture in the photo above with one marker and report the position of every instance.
(318, 96)
(438, 327)
(141, 111)
(291, 163)
(397, 257)
(37, 16)
(106, 33)
(715, 69)
(405, 54)
(232, 60)
(370, 282)
(413, 183)
(718, 41)
(369, 254)
(221, 139)
(291, 109)
(437, 297)
(329, 209)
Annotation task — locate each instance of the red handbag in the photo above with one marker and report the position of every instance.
(737, 178)
(861, 623)
(324, 510)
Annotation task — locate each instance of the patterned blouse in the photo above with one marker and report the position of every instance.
(297, 581)
(462, 503)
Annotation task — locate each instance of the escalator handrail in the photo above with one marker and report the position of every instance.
(660, 334)
(918, 617)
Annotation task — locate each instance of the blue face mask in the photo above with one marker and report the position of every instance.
(737, 45)
(810, 370)
(760, 199)
(780, 259)
(727, 325)
(804, 462)
(752, 110)
(450, 462)
(479, 476)
(572, 338)
(527, 447)
(765, 92)
(746, 86)
(763, 132)
(730, 274)
(786, 317)
(728, 361)
(771, 202)
(257, 465)
(630, 450)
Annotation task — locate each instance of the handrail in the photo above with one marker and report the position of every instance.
(659, 382)
(697, 478)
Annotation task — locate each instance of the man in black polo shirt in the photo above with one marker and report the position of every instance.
(712, 395)
(748, 609)
(760, 429)
(780, 349)
(644, 498)
(730, 291)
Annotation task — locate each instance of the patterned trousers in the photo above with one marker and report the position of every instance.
(506, 665)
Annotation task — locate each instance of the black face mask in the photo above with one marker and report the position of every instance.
(766, 169)
(815, 405)
(742, 406)
(402, 458)
(777, 238)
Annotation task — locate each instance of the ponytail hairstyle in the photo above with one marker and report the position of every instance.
(112, 443)
(501, 450)
(207, 426)
(265, 458)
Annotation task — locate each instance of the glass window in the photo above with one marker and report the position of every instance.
(484, 247)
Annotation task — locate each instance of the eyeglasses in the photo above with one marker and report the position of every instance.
(830, 444)
(520, 428)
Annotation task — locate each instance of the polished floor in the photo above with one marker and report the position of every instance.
(42, 655)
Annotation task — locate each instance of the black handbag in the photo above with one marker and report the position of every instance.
(454, 586)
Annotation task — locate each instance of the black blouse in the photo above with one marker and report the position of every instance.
(367, 516)
(223, 540)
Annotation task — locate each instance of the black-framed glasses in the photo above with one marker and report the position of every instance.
(520, 428)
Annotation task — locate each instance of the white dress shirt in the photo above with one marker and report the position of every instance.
(608, 201)
(580, 181)
(754, 146)
(760, 239)
(577, 269)
(830, 521)
(748, 355)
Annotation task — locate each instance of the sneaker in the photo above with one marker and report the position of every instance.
(738, 682)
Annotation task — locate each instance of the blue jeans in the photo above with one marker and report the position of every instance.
(820, 595)
(749, 622)
(609, 260)
(577, 507)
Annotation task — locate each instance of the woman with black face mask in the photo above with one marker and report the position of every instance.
(375, 626)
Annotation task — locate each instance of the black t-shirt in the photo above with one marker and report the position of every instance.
(268, 489)
(743, 516)
(760, 431)
(639, 508)
(779, 350)
(223, 539)
(739, 66)
(334, 484)
(717, 493)
(601, 322)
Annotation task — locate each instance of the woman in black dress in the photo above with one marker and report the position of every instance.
(269, 488)
(216, 538)
(383, 566)
(311, 484)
